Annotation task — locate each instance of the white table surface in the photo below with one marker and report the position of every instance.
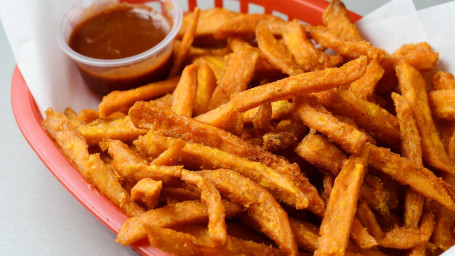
(38, 216)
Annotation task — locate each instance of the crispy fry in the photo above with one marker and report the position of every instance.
(350, 49)
(185, 45)
(206, 83)
(117, 129)
(88, 115)
(364, 86)
(197, 155)
(406, 238)
(276, 141)
(209, 21)
(361, 237)
(151, 117)
(420, 56)
(216, 63)
(210, 196)
(261, 121)
(410, 143)
(304, 52)
(185, 92)
(376, 120)
(147, 191)
(280, 109)
(286, 88)
(245, 26)
(277, 53)
(306, 234)
(418, 178)
(337, 222)
(123, 100)
(368, 219)
(376, 195)
(443, 81)
(179, 194)
(130, 165)
(262, 207)
(237, 77)
(443, 103)
(195, 242)
(412, 149)
(344, 135)
(170, 156)
(187, 212)
(413, 89)
(90, 166)
(320, 152)
(336, 19)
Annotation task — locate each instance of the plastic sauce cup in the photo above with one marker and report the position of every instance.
(106, 75)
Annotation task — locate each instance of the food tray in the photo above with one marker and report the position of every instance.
(28, 118)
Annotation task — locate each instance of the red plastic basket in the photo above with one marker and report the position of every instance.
(29, 119)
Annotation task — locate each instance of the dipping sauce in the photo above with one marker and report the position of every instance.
(118, 32)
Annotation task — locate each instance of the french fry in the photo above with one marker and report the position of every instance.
(368, 219)
(277, 53)
(306, 234)
(413, 89)
(276, 141)
(350, 49)
(147, 191)
(406, 238)
(245, 26)
(364, 86)
(170, 156)
(74, 146)
(206, 83)
(304, 52)
(286, 88)
(262, 207)
(442, 103)
(361, 237)
(216, 63)
(185, 92)
(410, 144)
(280, 109)
(185, 45)
(318, 118)
(412, 149)
(238, 75)
(209, 21)
(179, 194)
(443, 80)
(123, 100)
(327, 183)
(320, 152)
(187, 212)
(132, 166)
(88, 115)
(210, 196)
(420, 56)
(194, 242)
(197, 155)
(261, 121)
(149, 116)
(336, 19)
(376, 120)
(406, 172)
(117, 129)
(337, 222)
(376, 195)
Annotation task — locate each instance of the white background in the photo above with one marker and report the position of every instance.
(38, 216)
